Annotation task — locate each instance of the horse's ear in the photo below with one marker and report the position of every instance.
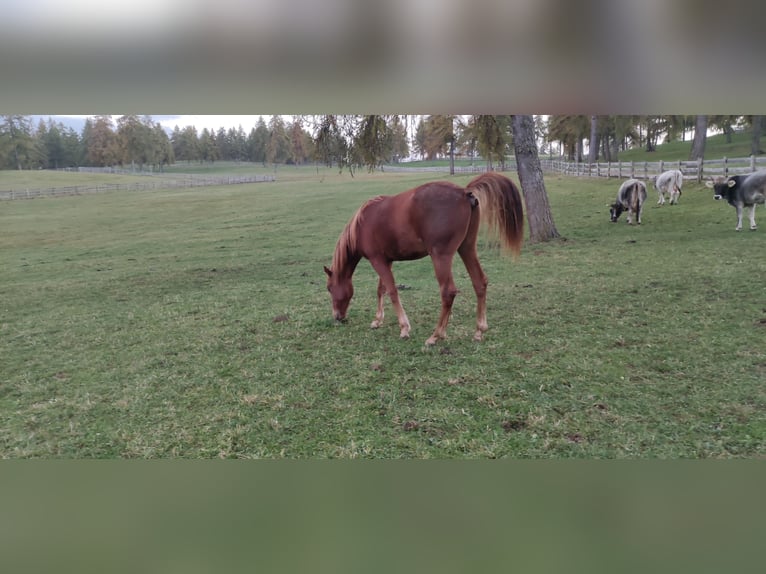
(328, 271)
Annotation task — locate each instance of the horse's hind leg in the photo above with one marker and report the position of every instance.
(479, 280)
(448, 291)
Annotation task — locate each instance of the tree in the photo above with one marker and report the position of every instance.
(16, 141)
(570, 131)
(297, 153)
(421, 140)
(161, 151)
(442, 133)
(331, 143)
(278, 147)
(725, 123)
(492, 137)
(539, 216)
(40, 153)
(594, 142)
(756, 123)
(373, 141)
(208, 149)
(399, 146)
(257, 142)
(185, 144)
(541, 134)
(100, 143)
(135, 138)
(73, 152)
(655, 126)
(700, 135)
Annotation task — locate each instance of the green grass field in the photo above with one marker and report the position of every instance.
(196, 324)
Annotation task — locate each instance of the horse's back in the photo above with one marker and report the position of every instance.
(411, 224)
(441, 212)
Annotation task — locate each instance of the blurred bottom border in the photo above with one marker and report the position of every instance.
(381, 516)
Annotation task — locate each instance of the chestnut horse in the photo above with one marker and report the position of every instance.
(436, 219)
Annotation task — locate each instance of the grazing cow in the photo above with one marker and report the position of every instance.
(630, 198)
(669, 183)
(741, 191)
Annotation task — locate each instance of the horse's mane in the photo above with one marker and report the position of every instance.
(347, 242)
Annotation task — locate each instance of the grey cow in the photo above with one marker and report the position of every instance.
(670, 183)
(741, 191)
(630, 198)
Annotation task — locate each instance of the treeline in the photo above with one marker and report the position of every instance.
(345, 141)
(140, 141)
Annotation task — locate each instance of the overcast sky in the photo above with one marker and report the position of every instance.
(211, 122)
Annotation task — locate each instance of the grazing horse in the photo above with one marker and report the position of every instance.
(436, 219)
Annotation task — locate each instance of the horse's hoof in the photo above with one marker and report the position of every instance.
(477, 336)
(375, 324)
(431, 341)
(404, 335)
(753, 228)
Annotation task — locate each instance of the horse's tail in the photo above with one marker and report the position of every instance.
(501, 207)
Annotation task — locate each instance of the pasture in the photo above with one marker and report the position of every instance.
(196, 324)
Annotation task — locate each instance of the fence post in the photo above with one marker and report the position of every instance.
(725, 166)
(699, 170)
(752, 162)
(662, 166)
(619, 169)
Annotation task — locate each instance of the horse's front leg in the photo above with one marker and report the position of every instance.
(386, 284)
(379, 314)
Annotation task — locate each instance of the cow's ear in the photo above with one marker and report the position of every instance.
(328, 271)
(731, 183)
(709, 183)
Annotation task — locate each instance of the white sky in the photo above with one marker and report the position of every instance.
(211, 122)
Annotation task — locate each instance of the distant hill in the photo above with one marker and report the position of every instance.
(716, 147)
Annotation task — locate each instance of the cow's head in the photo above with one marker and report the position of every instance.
(615, 210)
(721, 186)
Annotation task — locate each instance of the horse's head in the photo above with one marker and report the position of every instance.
(341, 290)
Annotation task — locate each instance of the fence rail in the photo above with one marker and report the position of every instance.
(691, 169)
(696, 169)
(442, 169)
(178, 182)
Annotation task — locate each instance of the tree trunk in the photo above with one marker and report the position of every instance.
(452, 156)
(700, 135)
(594, 143)
(755, 146)
(539, 217)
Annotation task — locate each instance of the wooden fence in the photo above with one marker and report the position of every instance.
(400, 168)
(182, 182)
(696, 170)
(648, 170)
